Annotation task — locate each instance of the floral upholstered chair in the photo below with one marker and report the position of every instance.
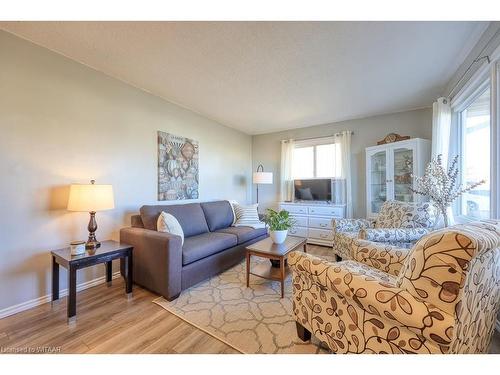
(444, 299)
(398, 223)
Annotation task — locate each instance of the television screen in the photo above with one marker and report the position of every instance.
(319, 189)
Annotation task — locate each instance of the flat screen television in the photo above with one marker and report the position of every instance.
(318, 189)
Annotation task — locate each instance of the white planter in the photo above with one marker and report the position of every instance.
(278, 236)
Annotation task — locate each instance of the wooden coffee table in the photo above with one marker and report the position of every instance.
(266, 248)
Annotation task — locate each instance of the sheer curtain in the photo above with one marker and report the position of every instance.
(441, 134)
(441, 129)
(343, 189)
(286, 178)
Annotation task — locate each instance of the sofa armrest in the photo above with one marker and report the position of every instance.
(352, 299)
(384, 257)
(157, 260)
(351, 225)
(393, 234)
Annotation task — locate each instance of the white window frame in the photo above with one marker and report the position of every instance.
(313, 143)
(481, 87)
(486, 73)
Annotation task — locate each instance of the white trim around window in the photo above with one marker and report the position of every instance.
(488, 74)
(495, 140)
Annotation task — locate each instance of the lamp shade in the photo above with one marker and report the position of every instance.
(262, 177)
(91, 197)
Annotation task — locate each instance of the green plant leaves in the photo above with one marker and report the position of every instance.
(278, 220)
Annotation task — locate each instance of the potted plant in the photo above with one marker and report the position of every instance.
(278, 223)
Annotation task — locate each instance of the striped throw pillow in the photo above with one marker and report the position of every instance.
(246, 215)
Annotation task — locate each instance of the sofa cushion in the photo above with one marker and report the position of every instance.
(206, 244)
(190, 217)
(394, 214)
(218, 214)
(244, 234)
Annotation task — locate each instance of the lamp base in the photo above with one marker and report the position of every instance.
(92, 242)
(92, 245)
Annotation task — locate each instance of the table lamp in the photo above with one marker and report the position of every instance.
(91, 198)
(261, 177)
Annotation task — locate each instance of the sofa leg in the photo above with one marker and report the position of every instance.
(173, 297)
(302, 332)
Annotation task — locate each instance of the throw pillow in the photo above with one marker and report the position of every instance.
(167, 223)
(233, 203)
(247, 216)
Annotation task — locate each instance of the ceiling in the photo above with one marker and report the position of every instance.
(261, 77)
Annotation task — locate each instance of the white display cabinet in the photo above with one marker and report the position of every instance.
(390, 169)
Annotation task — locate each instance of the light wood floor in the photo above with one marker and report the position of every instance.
(109, 323)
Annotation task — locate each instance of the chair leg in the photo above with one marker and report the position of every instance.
(302, 332)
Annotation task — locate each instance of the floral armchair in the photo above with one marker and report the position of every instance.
(443, 299)
(398, 224)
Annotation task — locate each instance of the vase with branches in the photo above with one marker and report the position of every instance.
(442, 186)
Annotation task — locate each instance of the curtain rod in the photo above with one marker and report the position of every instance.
(309, 138)
(476, 60)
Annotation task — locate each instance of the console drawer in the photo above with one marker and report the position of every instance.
(300, 221)
(294, 209)
(321, 234)
(298, 232)
(320, 222)
(327, 211)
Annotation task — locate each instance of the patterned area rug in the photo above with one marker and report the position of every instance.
(251, 320)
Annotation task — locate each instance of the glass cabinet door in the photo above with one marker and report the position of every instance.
(403, 170)
(378, 180)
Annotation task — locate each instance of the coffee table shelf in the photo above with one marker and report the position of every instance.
(267, 271)
(266, 248)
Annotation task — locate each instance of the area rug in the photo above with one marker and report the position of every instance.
(251, 320)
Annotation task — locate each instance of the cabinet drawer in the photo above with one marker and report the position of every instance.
(298, 232)
(320, 222)
(300, 221)
(321, 234)
(294, 209)
(327, 211)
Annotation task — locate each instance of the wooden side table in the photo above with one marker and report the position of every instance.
(266, 248)
(106, 253)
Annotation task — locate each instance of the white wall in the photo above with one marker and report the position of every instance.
(367, 131)
(60, 123)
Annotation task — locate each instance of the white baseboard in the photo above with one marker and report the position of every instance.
(47, 298)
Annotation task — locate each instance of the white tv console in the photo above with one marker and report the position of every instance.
(314, 220)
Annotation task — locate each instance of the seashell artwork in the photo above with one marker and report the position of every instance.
(178, 161)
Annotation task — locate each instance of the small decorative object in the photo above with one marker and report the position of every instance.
(91, 198)
(77, 247)
(178, 168)
(279, 223)
(261, 177)
(440, 186)
(393, 137)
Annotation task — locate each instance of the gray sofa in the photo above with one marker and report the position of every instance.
(211, 245)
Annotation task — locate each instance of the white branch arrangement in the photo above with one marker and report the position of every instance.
(440, 186)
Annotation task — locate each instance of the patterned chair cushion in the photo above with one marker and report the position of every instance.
(393, 235)
(383, 257)
(394, 214)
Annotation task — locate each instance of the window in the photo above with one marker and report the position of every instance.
(316, 160)
(474, 122)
